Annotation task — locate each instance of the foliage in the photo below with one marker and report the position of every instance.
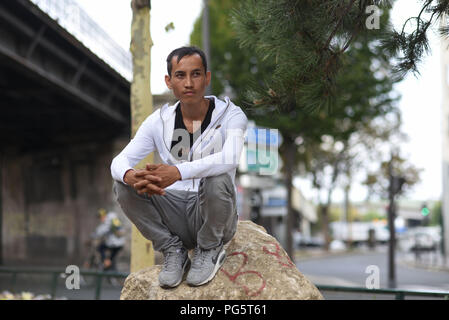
(372, 215)
(232, 68)
(411, 47)
(436, 218)
(6, 295)
(378, 182)
(323, 73)
(335, 213)
(363, 86)
(305, 42)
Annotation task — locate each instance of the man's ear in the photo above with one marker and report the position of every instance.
(168, 81)
(208, 77)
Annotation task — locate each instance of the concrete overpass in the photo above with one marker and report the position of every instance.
(64, 114)
(54, 90)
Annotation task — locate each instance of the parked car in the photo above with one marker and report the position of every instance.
(302, 241)
(420, 239)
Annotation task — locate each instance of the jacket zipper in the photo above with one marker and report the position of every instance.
(205, 134)
(191, 150)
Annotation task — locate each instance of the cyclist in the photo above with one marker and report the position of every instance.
(109, 233)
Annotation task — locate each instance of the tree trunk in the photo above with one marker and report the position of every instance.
(325, 214)
(325, 226)
(142, 253)
(391, 227)
(289, 164)
(326, 207)
(348, 218)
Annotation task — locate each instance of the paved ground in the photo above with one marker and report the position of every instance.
(350, 269)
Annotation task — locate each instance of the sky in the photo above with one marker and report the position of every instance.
(421, 95)
(421, 111)
(117, 23)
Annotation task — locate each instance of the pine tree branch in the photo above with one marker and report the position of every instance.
(356, 31)
(418, 18)
(428, 3)
(308, 36)
(348, 7)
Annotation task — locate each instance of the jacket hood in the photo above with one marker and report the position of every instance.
(168, 113)
(221, 106)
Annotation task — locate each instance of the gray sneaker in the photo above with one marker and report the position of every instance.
(205, 265)
(176, 261)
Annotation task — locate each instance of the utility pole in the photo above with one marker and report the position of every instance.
(206, 39)
(142, 252)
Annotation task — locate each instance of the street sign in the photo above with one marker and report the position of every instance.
(262, 154)
(267, 136)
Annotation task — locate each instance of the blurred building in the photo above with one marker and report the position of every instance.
(408, 212)
(271, 208)
(64, 115)
(51, 195)
(262, 194)
(409, 218)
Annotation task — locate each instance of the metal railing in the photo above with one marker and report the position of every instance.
(56, 274)
(397, 293)
(100, 275)
(76, 21)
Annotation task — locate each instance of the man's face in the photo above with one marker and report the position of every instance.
(188, 79)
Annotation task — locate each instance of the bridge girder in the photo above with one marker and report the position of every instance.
(47, 75)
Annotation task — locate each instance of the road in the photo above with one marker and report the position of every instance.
(351, 270)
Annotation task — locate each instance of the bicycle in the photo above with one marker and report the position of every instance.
(94, 261)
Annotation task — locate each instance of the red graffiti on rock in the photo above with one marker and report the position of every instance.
(284, 261)
(239, 274)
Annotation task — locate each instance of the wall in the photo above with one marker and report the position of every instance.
(50, 201)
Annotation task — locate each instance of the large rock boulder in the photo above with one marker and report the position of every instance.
(256, 267)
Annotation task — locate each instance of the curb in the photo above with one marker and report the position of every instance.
(423, 266)
(329, 254)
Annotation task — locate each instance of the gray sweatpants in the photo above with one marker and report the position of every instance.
(184, 218)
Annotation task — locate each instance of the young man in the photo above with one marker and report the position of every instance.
(188, 201)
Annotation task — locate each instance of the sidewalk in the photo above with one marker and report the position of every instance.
(432, 261)
(316, 253)
(347, 268)
(425, 260)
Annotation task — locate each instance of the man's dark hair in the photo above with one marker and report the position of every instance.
(181, 53)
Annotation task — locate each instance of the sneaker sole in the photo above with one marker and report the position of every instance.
(184, 268)
(220, 261)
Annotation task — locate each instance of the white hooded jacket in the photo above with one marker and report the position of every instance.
(217, 150)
